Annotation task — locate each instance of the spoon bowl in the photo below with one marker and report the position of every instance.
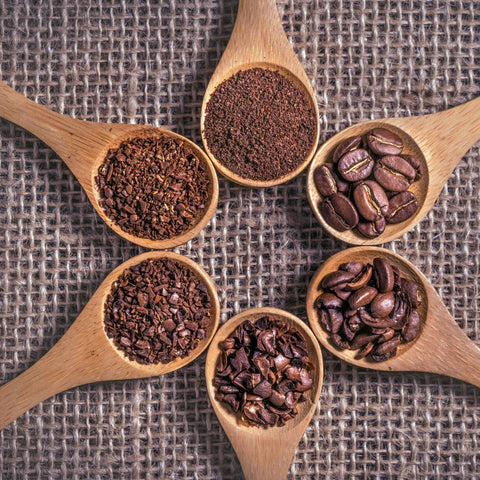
(265, 453)
(85, 354)
(83, 146)
(259, 41)
(441, 345)
(439, 141)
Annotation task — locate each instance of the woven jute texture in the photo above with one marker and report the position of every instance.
(149, 62)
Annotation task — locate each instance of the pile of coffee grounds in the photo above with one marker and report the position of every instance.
(157, 311)
(259, 124)
(153, 187)
(263, 372)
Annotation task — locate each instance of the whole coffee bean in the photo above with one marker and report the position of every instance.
(394, 173)
(335, 319)
(372, 229)
(345, 146)
(361, 279)
(376, 357)
(362, 339)
(401, 311)
(386, 335)
(402, 206)
(362, 297)
(339, 212)
(384, 142)
(386, 347)
(410, 288)
(354, 267)
(374, 322)
(342, 293)
(327, 181)
(364, 351)
(412, 326)
(416, 164)
(382, 304)
(338, 278)
(355, 165)
(371, 200)
(347, 332)
(329, 300)
(339, 342)
(384, 275)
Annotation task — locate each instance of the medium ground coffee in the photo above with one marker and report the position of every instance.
(259, 124)
(157, 311)
(153, 187)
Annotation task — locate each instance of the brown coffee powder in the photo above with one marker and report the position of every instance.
(157, 311)
(153, 187)
(259, 124)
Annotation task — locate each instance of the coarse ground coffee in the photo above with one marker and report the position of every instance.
(153, 187)
(157, 311)
(263, 371)
(259, 124)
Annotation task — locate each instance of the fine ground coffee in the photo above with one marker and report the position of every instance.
(259, 124)
(153, 187)
(157, 311)
(263, 371)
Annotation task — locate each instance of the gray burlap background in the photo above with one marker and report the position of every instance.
(149, 62)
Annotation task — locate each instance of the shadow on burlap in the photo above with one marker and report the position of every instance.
(141, 62)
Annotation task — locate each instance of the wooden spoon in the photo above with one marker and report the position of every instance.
(85, 354)
(441, 346)
(258, 40)
(265, 453)
(439, 141)
(83, 145)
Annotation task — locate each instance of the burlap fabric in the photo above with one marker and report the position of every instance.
(149, 62)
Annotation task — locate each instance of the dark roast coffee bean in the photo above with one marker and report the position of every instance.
(329, 300)
(362, 339)
(384, 142)
(354, 267)
(372, 229)
(410, 288)
(386, 335)
(341, 293)
(347, 332)
(412, 326)
(400, 311)
(355, 165)
(371, 200)
(386, 347)
(374, 322)
(327, 181)
(376, 357)
(338, 278)
(346, 146)
(339, 212)
(402, 207)
(339, 342)
(364, 351)
(361, 279)
(382, 304)
(362, 297)
(416, 164)
(335, 319)
(383, 273)
(394, 173)
(354, 323)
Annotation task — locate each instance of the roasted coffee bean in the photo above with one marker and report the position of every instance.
(383, 273)
(361, 279)
(362, 297)
(354, 267)
(157, 311)
(369, 317)
(382, 304)
(338, 278)
(371, 200)
(329, 300)
(416, 164)
(372, 229)
(402, 207)
(355, 165)
(412, 326)
(339, 212)
(410, 288)
(327, 181)
(263, 372)
(345, 146)
(384, 142)
(394, 173)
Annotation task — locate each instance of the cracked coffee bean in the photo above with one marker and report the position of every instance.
(379, 314)
(157, 311)
(263, 372)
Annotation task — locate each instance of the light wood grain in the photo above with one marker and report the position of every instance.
(438, 140)
(258, 40)
(83, 145)
(265, 454)
(85, 354)
(442, 347)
